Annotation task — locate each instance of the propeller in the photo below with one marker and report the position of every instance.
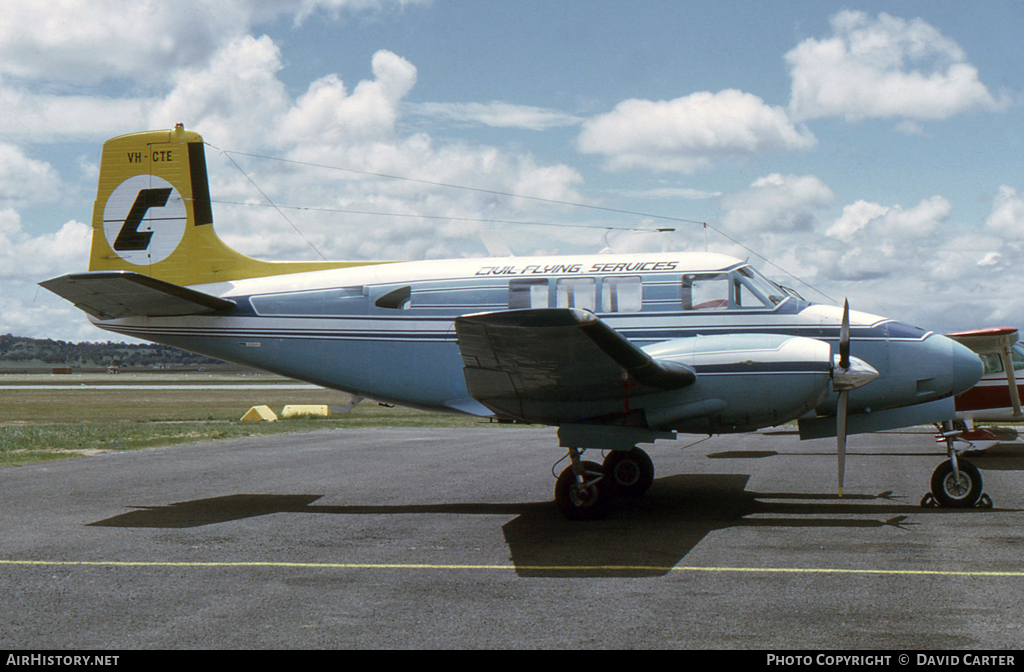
(844, 337)
(848, 373)
(844, 394)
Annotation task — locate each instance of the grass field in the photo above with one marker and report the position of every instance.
(42, 423)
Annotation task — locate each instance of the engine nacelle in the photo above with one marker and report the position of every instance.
(744, 382)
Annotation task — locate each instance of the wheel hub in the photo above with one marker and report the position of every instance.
(957, 488)
(627, 473)
(583, 496)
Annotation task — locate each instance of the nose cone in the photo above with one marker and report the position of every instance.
(967, 367)
(919, 370)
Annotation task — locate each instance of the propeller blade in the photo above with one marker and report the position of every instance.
(844, 337)
(841, 436)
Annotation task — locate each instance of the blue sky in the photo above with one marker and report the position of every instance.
(871, 149)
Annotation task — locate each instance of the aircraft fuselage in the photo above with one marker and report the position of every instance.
(386, 331)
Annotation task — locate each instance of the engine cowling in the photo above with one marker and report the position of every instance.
(744, 381)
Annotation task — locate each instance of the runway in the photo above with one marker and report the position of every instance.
(448, 538)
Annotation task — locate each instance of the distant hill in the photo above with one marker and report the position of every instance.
(20, 353)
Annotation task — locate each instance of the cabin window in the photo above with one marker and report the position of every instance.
(396, 299)
(621, 294)
(993, 361)
(576, 293)
(527, 293)
(705, 291)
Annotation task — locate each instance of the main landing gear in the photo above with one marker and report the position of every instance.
(956, 483)
(586, 490)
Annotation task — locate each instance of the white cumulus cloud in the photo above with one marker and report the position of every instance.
(328, 113)
(885, 67)
(28, 258)
(777, 203)
(687, 134)
(25, 180)
(337, 140)
(1007, 217)
(88, 41)
(497, 114)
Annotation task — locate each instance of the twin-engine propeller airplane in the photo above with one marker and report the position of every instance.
(614, 350)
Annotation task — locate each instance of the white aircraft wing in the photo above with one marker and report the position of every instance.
(556, 363)
(983, 341)
(113, 294)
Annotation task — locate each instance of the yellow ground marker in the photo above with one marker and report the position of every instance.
(260, 414)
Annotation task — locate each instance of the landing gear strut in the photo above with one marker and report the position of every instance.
(586, 490)
(582, 491)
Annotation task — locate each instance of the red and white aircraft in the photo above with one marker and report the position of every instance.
(996, 397)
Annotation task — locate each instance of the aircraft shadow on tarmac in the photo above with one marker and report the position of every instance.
(640, 539)
(1000, 457)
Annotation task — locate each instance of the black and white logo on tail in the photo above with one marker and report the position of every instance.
(144, 219)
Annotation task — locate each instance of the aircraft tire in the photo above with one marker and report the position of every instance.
(630, 473)
(955, 495)
(590, 503)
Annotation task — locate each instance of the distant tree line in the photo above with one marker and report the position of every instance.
(18, 349)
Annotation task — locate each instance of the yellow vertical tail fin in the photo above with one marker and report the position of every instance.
(153, 215)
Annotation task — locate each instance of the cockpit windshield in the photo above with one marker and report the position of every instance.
(767, 291)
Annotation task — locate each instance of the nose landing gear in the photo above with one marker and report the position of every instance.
(956, 483)
(957, 487)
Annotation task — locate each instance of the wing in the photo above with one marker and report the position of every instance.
(557, 365)
(112, 294)
(983, 341)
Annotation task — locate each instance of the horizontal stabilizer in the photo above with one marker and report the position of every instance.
(109, 295)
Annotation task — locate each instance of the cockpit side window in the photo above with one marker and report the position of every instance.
(705, 291)
(768, 293)
(744, 296)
